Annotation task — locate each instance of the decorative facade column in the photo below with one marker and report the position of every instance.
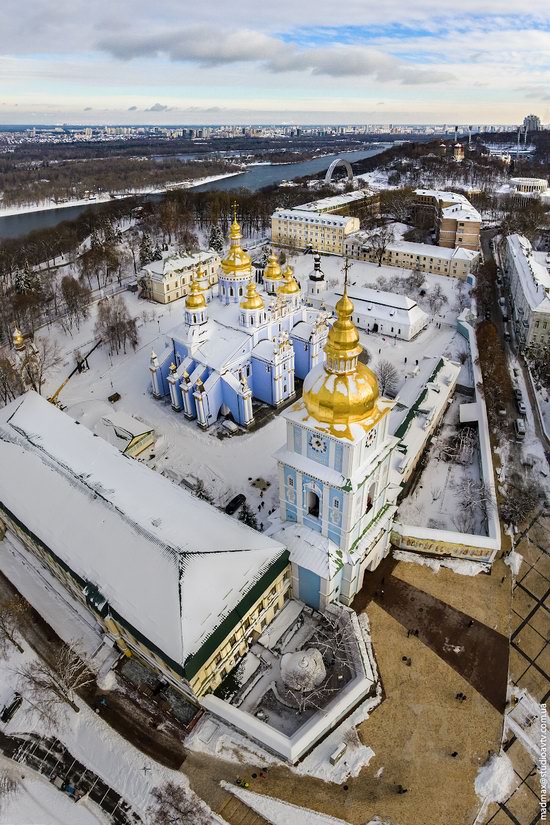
(173, 386)
(156, 377)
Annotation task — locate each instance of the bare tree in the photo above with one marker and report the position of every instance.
(11, 612)
(77, 299)
(388, 378)
(114, 324)
(461, 297)
(49, 688)
(436, 299)
(415, 280)
(520, 500)
(175, 805)
(378, 243)
(37, 364)
(10, 380)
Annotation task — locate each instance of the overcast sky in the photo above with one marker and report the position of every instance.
(292, 61)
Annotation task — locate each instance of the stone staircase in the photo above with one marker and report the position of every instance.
(236, 812)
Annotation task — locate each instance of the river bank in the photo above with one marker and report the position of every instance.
(46, 206)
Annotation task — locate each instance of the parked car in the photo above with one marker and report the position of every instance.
(234, 504)
(519, 428)
(502, 302)
(518, 395)
(9, 709)
(516, 371)
(522, 409)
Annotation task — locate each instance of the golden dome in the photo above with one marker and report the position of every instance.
(237, 261)
(202, 279)
(272, 271)
(195, 299)
(342, 390)
(291, 285)
(18, 339)
(252, 300)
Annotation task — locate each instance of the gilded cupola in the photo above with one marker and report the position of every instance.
(253, 300)
(341, 391)
(237, 261)
(273, 271)
(290, 285)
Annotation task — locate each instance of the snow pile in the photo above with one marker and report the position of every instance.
(514, 561)
(495, 779)
(277, 812)
(303, 670)
(107, 681)
(465, 568)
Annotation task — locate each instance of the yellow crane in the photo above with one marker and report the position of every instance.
(53, 399)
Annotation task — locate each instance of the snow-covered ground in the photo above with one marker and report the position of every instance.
(91, 741)
(35, 800)
(183, 450)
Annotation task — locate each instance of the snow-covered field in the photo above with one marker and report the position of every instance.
(183, 450)
(37, 801)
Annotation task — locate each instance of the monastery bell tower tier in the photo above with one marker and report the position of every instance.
(336, 507)
(236, 267)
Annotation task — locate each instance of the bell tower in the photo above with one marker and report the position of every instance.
(336, 508)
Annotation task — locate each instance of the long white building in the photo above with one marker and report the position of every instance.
(529, 280)
(378, 311)
(438, 260)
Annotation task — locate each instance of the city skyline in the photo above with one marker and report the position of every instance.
(92, 64)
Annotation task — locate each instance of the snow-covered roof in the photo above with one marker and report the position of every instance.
(465, 212)
(303, 330)
(122, 421)
(176, 263)
(429, 251)
(305, 216)
(171, 565)
(452, 197)
(335, 201)
(533, 275)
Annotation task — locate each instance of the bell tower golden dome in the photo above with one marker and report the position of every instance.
(341, 391)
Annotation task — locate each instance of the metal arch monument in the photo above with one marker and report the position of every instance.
(345, 163)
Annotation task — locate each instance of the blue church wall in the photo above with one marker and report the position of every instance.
(336, 509)
(231, 398)
(338, 457)
(309, 587)
(213, 401)
(302, 357)
(290, 493)
(310, 485)
(298, 432)
(262, 376)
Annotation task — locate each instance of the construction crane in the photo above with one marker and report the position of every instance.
(53, 399)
